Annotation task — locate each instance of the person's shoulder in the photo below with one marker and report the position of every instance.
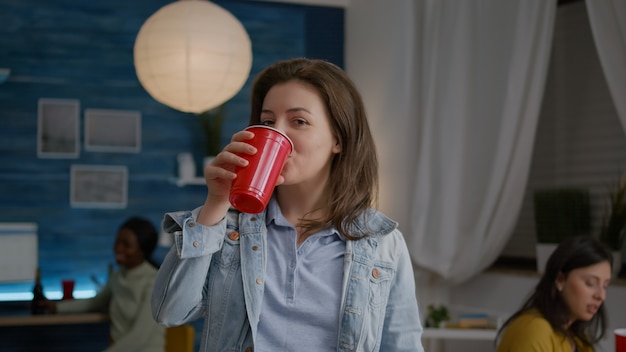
(528, 331)
(531, 320)
(381, 234)
(375, 224)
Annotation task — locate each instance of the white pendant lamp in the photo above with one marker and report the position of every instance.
(192, 55)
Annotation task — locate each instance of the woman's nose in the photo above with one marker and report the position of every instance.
(280, 125)
(601, 294)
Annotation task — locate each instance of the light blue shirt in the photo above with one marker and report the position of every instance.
(302, 293)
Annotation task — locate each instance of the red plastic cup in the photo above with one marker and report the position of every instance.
(68, 288)
(620, 340)
(253, 187)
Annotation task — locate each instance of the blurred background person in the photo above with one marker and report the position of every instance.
(566, 310)
(126, 295)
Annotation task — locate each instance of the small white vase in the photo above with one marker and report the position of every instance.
(186, 166)
(206, 161)
(543, 252)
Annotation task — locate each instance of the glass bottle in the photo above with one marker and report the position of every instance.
(36, 306)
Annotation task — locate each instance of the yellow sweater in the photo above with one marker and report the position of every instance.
(530, 332)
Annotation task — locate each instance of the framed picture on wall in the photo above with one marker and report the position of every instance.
(112, 131)
(98, 186)
(57, 128)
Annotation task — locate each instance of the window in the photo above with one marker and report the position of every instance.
(580, 141)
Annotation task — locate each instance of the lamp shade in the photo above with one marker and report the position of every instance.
(192, 55)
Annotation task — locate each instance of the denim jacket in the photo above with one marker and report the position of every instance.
(217, 272)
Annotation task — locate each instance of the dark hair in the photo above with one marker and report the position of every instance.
(354, 170)
(572, 253)
(147, 236)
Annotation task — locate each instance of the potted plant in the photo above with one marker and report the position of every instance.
(559, 213)
(212, 122)
(436, 316)
(613, 227)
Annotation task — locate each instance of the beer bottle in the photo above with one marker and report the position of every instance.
(36, 306)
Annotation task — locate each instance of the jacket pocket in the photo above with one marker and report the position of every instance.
(230, 252)
(379, 282)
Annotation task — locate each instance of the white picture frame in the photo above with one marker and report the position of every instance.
(58, 128)
(98, 186)
(108, 130)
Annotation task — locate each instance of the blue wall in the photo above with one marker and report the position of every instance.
(75, 49)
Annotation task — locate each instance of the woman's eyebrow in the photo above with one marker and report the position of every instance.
(296, 109)
(596, 278)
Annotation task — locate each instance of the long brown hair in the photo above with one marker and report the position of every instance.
(354, 171)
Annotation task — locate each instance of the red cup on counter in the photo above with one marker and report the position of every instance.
(253, 187)
(68, 288)
(620, 340)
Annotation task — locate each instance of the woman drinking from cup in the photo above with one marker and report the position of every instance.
(318, 269)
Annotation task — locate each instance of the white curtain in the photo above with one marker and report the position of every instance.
(380, 45)
(483, 68)
(608, 25)
(453, 90)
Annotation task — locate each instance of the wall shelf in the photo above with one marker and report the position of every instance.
(464, 334)
(196, 181)
(4, 74)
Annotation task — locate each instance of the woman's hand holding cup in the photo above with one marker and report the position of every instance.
(219, 175)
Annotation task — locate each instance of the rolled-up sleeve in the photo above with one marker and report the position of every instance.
(178, 293)
(191, 238)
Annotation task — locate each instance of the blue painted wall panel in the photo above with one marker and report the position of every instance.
(82, 50)
(74, 49)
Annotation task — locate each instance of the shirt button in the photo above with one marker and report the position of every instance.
(253, 219)
(234, 236)
(196, 244)
(259, 281)
(192, 224)
(255, 248)
(375, 273)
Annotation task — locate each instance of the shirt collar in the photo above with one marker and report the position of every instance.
(275, 215)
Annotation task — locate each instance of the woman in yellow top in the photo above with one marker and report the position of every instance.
(566, 310)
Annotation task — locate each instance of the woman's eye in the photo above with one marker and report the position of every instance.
(267, 122)
(300, 121)
(590, 283)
